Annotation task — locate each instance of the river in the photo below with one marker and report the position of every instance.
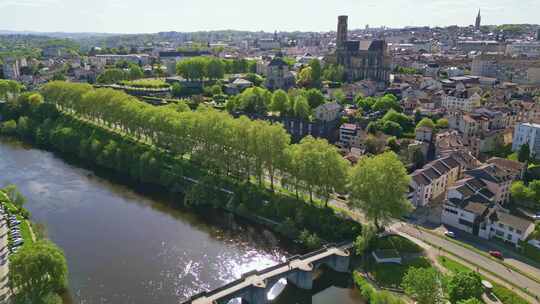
(126, 247)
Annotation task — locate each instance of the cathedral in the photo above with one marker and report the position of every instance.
(361, 59)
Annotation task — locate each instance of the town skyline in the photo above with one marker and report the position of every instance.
(121, 16)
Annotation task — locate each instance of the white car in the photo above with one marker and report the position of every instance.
(450, 234)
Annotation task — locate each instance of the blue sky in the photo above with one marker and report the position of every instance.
(147, 16)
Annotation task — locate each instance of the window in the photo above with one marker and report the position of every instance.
(501, 225)
(511, 229)
(518, 231)
(450, 211)
(465, 223)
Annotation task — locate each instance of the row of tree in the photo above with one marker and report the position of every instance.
(115, 75)
(213, 68)
(241, 148)
(108, 147)
(295, 103)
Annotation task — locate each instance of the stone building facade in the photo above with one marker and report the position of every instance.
(361, 59)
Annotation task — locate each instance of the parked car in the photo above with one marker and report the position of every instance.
(536, 217)
(496, 254)
(450, 234)
(18, 242)
(15, 222)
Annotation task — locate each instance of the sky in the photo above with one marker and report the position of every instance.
(150, 16)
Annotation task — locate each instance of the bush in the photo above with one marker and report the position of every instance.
(9, 127)
(309, 240)
(373, 296)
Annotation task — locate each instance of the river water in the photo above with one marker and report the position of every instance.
(126, 247)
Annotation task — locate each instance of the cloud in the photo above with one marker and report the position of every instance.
(28, 3)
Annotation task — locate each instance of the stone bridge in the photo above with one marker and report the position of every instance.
(253, 287)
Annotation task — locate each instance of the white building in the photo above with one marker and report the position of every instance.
(464, 103)
(433, 179)
(529, 49)
(328, 111)
(527, 133)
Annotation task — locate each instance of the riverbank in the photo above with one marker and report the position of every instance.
(142, 163)
(33, 269)
(139, 246)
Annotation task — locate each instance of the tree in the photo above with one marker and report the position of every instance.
(280, 102)
(339, 96)
(314, 97)
(334, 73)
(365, 241)
(304, 78)
(386, 103)
(465, 285)
(425, 122)
(111, 76)
(38, 270)
(378, 187)
(403, 120)
(14, 195)
(521, 194)
(424, 285)
(524, 153)
(393, 144)
(316, 72)
(192, 69)
(321, 167)
(392, 128)
(255, 100)
(135, 72)
(215, 68)
(301, 108)
(442, 123)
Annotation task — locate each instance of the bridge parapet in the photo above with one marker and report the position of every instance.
(253, 286)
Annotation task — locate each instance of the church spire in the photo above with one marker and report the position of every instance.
(478, 21)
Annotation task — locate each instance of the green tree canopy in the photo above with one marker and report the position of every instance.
(405, 122)
(335, 73)
(426, 122)
(215, 68)
(314, 97)
(38, 270)
(111, 76)
(280, 102)
(524, 153)
(465, 285)
(305, 78)
(192, 69)
(442, 123)
(379, 186)
(316, 72)
(386, 103)
(424, 285)
(135, 72)
(301, 107)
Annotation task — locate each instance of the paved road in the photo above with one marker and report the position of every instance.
(510, 257)
(472, 257)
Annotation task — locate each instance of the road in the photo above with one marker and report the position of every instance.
(472, 258)
(464, 254)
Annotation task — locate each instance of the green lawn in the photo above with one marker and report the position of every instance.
(390, 274)
(504, 294)
(398, 243)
